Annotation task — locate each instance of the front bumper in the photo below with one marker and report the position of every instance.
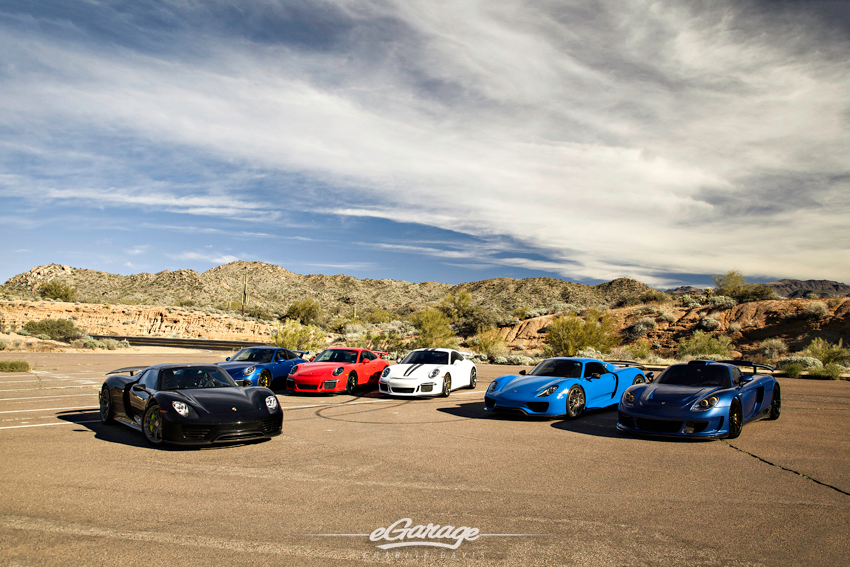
(712, 424)
(411, 388)
(196, 432)
(316, 385)
(549, 406)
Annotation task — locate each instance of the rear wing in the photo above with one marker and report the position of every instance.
(468, 354)
(302, 351)
(625, 363)
(755, 365)
(131, 370)
(381, 353)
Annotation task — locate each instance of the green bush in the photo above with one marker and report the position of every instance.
(567, 334)
(308, 311)
(722, 301)
(14, 366)
(772, 348)
(709, 323)
(56, 329)
(654, 296)
(793, 370)
(3, 346)
(433, 329)
(56, 290)
(387, 342)
(704, 345)
(804, 361)
(831, 371)
(295, 336)
(829, 353)
(489, 342)
(733, 284)
(641, 349)
(816, 310)
(376, 316)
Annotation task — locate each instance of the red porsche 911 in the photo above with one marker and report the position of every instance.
(340, 369)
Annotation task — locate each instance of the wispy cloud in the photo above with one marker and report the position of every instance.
(210, 258)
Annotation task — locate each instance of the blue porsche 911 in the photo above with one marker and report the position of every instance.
(263, 366)
(563, 387)
(703, 398)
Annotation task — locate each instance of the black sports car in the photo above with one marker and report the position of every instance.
(190, 404)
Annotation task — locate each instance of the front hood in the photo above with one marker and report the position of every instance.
(526, 385)
(234, 368)
(412, 370)
(217, 401)
(319, 369)
(674, 396)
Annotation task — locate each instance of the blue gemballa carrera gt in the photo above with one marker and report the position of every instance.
(563, 387)
(703, 398)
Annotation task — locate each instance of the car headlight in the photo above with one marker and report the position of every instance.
(705, 404)
(386, 372)
(181, 408)
(249, 370)
(271, 403)
(434, 373)
(491, 387)
(548, 391)
(338, 371)
(294, 369)
(628, 398)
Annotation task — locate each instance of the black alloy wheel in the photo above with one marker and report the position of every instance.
(776, 403)
(736, 419)
(265, 379)
(473, 378)
(447, 386)
(351, 384)
(152, 425)
(575, 401)
(105, 406)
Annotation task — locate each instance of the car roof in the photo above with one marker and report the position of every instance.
(440, 349)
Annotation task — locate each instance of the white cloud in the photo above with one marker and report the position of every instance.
(215, 259)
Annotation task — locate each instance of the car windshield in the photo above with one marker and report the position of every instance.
(192, 377)
(259, 355)
(336, 355)
(557, 368)
(426, 357)
(696, 375)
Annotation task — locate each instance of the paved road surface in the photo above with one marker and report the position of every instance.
(75, 492)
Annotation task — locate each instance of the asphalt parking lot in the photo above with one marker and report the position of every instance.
(75, 492)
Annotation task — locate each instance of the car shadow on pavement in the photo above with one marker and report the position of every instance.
(599, 423)
(89, 420)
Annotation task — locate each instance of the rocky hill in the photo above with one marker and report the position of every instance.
(802, 288)
(274, 289)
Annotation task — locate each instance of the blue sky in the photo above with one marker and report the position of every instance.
(424, 140)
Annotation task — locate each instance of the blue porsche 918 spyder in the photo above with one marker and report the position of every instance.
(263, 366)
(563, 387)
(702, 398)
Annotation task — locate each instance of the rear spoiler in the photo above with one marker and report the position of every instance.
(625, 363)
(381, 353)
(302, 351)
(469, 354)
(131, 370)
(755, 365)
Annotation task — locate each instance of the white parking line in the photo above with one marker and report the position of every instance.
(47, 424)
(50, 409)
(42, 397)
(47, 388)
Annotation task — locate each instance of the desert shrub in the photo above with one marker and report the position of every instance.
(831, 371)
(754, 292)
(804, 361)
(3, 346)
(627, 300)
(353, 329)
(590, 352)
(259, 312)
(691, 301)
(14, 366)
(829, 353)
(387, 342)
(520, 360)
(87, 342)
(500, 360)
(812, 295)
(702, 344)
(834, 302)
(567, 334)
(722, 301)
(56, 329)
(183, 302)
(772, 348)
(24, 333)
(709, 323)
(667, 316)
(521, 313)
(457, 305)
(733, 284)
(308, 311)
(295, 336)
(43, 337)
(490, 342)
(734, 327)
(56, 290)
(647, 309)
(433, 329)
(376, 316)
(476, 319)
(653, 296)
(640, 349)
(816, 310)
(793, 370)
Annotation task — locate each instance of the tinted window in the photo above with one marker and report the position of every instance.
(736, 375)
(557, 368)
(696, 375)
(368, 355)
(336, 356)
(148, 379)
(193, 377)
(426, 357)
(594, 368)
(456, 356)
(260, 355)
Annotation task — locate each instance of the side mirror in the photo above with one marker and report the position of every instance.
(522, 372)
(138, 388)
(595, 375)
(746, 379)
(226, 359)
(650, 376)
(398, 361)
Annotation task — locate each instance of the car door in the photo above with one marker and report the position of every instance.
(370, 363)
(140, 393)
(280, 364)
(460, 375)
(751, 394)
(602, 385)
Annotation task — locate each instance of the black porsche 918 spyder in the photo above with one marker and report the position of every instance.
(189, 404)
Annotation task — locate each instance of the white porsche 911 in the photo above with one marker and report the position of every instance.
(429, 372)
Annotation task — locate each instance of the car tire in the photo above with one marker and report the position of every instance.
(473, 378)
(736, 419)
(638, 380)
(351, 384)
(106, 413)
(265, 379)
(575, 401)
(447, 386)
(775, 403)
(152, 425)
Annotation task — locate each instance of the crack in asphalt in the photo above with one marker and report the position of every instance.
(807, 477)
